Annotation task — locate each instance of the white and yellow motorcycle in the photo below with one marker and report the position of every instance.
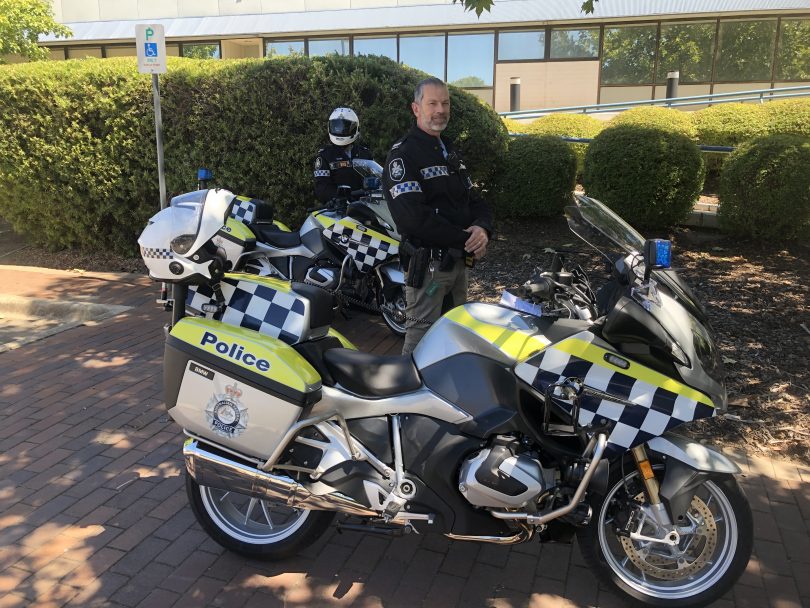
(547, 416)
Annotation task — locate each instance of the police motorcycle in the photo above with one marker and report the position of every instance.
(549, 415)
(349, 246)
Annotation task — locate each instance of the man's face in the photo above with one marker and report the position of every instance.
(433, 112)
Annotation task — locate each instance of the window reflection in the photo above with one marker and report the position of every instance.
(326, 47)
(745, 50)
(385, 47)
(424, 53)
(794, 50)
(574, 44)
(687, 48)
(628, 54)
(284, 48)
(522, 45)
(470, 60)
(201, 51)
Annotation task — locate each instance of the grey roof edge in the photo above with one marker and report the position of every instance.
(417, 17)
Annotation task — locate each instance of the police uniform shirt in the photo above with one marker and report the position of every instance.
(430, 196)
(333, 168)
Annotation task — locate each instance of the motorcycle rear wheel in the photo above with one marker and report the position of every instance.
(395, 318)
(252, 527)
(710, 559)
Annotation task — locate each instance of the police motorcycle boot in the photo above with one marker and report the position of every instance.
(544, 416)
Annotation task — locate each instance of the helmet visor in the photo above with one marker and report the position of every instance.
(342, 127)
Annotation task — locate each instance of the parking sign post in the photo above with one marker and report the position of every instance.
(151, 45)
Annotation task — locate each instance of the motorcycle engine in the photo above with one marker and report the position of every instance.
(499, 477)
(326, 278)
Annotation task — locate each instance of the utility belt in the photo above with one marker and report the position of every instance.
(417, 260)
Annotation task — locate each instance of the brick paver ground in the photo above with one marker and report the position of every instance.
(93, 510)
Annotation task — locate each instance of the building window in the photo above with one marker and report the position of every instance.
(84, 52)
(424, 53)
(120, 51)
(575, 44)
(470, 60)
(628, 55)
(384, 47)
(338, 46)
(521, 45)
(793, 62)
(687, 48)
(283, 48)
(745, 50)
(201, 51)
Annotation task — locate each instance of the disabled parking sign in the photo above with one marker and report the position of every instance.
(151, 45)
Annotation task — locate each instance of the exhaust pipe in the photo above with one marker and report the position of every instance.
(215, 471)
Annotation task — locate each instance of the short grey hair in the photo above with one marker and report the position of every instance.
(419, 91)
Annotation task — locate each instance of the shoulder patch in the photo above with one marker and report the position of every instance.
(318, 162)
(396, 169)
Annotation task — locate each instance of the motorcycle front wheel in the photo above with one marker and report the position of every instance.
(713, 547)
(253, 527)
(393, 310)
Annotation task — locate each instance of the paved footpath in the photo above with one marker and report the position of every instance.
(93, 510)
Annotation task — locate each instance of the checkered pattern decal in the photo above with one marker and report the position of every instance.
(656, 409)
(366, 250)
(156, 252)
(254, 306)
(243, 210)
(405, 187)
(323, 173)
(437, 171)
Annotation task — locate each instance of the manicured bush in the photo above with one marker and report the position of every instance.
(728, 124)
(569, 125)
(77, 151)
(656, 117)
(537, 179)
(791, 116)
(650, 176)
(765, 189)
(515, 126)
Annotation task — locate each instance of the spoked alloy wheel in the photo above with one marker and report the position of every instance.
(254, 527)
(393, 311)
(710, 550)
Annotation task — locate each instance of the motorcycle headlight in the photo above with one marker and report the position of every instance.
(182, 244)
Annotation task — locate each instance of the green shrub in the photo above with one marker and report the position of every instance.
(537, 179)
(515, 126)
(765, 189)
(656, 117)
(77, 143)
(650, 176)
(728, 124)
(791, 116)
(569, 125)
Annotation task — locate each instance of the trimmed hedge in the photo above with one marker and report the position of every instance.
(789, 116)
(765, 189)
(77, 151)
(656, 117)
(569, 125)
(538, 177)
(650, 176)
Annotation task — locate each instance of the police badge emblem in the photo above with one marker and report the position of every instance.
(226, 415)
(396, 169)
(318, 162)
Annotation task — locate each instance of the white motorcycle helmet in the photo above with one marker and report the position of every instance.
(344, 126)
(177, 244)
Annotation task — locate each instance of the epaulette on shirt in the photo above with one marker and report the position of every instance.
(399, 143)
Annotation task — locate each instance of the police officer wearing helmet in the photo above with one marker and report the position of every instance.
(333, 165)
(445, 226)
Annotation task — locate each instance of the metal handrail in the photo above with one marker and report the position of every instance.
(762, 95)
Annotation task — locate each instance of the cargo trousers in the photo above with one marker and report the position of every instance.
(420, 305)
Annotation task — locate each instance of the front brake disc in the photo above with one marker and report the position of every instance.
(690, 561)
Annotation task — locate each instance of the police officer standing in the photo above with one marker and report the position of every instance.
(333, 165)
(431, 200)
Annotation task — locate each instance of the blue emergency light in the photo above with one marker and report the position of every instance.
(658, 253)
(204, 174)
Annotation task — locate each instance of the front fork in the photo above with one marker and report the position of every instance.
(651, 486)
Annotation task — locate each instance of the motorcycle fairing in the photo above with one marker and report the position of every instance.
(647, 402)
(493, 331)
(235, 238)
(264, 304)
(367, 247)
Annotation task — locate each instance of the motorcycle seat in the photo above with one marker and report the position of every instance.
(370, 375)
(275, 237)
